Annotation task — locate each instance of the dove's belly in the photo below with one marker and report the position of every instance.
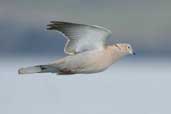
(94, 63)
(87, 62)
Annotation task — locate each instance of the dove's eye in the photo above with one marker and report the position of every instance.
(128, 47)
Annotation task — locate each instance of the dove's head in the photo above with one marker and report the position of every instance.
(125, 48)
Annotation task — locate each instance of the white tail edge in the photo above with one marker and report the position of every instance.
(30, 70)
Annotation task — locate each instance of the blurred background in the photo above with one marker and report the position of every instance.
(137, 84)
(143, 23)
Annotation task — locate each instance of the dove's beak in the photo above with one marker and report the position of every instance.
(133, 53)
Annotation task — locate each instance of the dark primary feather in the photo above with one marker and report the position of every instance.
(59, 25)
(62, 26)
(66, 28)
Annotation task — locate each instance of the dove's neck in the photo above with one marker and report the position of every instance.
(115, 53)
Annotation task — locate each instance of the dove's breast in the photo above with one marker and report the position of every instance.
(92, 61)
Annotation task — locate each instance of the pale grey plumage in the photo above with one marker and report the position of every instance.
(86, 48)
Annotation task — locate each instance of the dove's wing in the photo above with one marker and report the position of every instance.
(80, 37)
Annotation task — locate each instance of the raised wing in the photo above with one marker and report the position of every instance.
(80, 37)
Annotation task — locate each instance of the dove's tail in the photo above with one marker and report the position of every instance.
(36, 69)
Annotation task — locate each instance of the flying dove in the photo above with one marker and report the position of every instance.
(86, 49)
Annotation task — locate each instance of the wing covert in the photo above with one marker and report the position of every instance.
(80, 37)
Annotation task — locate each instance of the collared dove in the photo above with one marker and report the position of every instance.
(86, 49)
